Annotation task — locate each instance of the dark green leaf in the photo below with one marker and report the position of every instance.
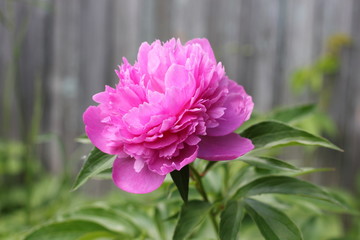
(68, 230)
(231, 218)
(181, 180)
(191, 215)
(272, 223)
(269, 134)
(283, 185)
(293, 114)
(96, 162)
(269, 163)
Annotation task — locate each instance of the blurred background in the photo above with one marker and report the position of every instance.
(54, 55)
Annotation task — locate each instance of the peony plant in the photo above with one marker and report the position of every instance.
(174, 105)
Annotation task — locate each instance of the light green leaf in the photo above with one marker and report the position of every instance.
(249, 173)
(191, 215)
(231, 218)
(283, 185)
(83, 139)
(293, 114)
(105, 174)
(67, 230)
(269, 134)
(307, 170)
(313, 206)
(272, 223)
(96, 162)
(106, 217)
(269, 163)
(102, 236)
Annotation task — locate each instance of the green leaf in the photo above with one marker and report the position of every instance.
(83, 139)
(283, 185)
(106, 217)
(269, 134)
(105, 174)
(293, 114)
(269, 163)
(96, 162)
(231, 218)
(191, 215)
(312, 206)
(272, 223)
(102, 236)
(181, 180)
(67, 230)
(307, 170)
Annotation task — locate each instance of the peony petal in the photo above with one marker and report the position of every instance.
(192, 140)
(140, 119)
(177, 76)
(226, 147)
(180, 87)
(166, 165)
(162, 142)
(142, 56)
(94, 128)
(153, 61)
(126, 178)
(205, 46)
(238, 106)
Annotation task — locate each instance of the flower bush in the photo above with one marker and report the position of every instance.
(173, 105)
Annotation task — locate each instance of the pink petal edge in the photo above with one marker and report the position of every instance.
(238, 108)
(94, 129)
(205, 44)
(226, 147)
(126, 178)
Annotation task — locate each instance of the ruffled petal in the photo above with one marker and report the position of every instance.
(128, 177)
(180, 87)
(165, 165)
(226, 147)
(205, 46)
(238, 107)
(94, 128)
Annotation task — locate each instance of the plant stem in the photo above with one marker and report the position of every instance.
(207, 168)
(200, 188)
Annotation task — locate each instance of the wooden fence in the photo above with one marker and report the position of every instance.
(72, 47)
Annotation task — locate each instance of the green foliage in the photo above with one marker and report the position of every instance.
(95, 163)
(181, 180)
(318, 80)
(272, 223)
(269, 163)
(231, 218)
(11, 153)
(316, 76)
(283, 185)
(191, 215)
(294, 114)
(269, 134)
(69, 230)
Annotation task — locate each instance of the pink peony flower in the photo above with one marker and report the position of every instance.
(173, 105)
